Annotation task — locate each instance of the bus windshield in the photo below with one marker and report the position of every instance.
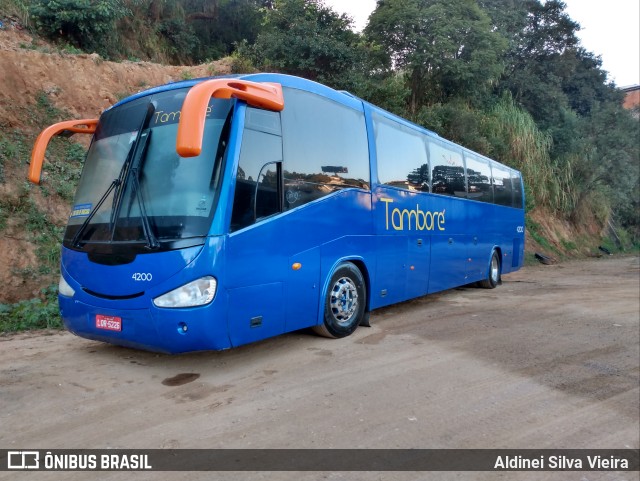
(135, 192)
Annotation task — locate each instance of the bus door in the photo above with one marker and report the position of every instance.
(256, 255)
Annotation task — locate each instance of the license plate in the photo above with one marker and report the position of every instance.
(108, 323)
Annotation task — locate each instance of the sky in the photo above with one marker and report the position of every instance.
(610, 29)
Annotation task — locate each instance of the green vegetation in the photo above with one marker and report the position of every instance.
(86, 24)
(62, 170)
(568, 245)
(47, 113)
(39, 313)
(46, 236)
(13, 148)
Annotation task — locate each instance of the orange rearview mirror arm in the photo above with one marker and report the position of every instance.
(87, 126)
(194, 109)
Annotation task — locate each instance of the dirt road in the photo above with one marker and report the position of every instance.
(550, 359)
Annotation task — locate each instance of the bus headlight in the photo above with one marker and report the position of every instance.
(196, 293)
(64, 289)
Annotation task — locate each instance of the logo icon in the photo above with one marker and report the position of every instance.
(23, 460)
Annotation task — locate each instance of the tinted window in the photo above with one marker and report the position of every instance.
(516, 181)
(447, 169)
(502, 185)
(257, 184)
(479, 178)
(325, 147)
(402, 156)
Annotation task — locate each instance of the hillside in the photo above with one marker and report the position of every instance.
(40, 85)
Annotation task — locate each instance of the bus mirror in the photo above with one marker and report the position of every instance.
(86, 126)
(194, 109)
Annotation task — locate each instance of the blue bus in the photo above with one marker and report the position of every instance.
(216, 212)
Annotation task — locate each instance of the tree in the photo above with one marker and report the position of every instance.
(221, 24)
(445, 48)
(551, 76)
(83, 23)
(308, 39)
(609, 163)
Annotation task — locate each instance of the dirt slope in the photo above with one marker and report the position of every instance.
(83, 85)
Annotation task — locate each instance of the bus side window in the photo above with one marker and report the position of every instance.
(447, 169)
(516, 180)
(402, 155)
(502, 185)
(325, 148)
(259, 147)
(479, 179)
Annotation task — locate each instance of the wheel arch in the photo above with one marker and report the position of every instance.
(360, 264)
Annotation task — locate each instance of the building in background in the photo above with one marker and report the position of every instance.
(632, 98)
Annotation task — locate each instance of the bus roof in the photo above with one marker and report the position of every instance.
(283, 79)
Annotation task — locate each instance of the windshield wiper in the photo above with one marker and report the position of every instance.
(125, 171)
(119, 184)
(75, 242)
(131, 170)
(152, 241)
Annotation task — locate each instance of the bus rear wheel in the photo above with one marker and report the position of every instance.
(493, 274)
(345, 302)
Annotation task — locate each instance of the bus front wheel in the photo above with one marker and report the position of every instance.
(493, 274)
(345, 302)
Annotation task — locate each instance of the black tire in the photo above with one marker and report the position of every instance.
(546, 260)
(605, 250)
(345, 302)
(493, 273)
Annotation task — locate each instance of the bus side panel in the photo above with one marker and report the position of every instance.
(388, 286)
(428, 252)
(261, 258)
(302, 290)
(256, 260)
(255, 313)
(484, 222)
(494, 226)
(418, 262)
(448, 266)
(402, 245)
(449, 243)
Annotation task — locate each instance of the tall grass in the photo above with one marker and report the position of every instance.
(518, 142)
(16, 8)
